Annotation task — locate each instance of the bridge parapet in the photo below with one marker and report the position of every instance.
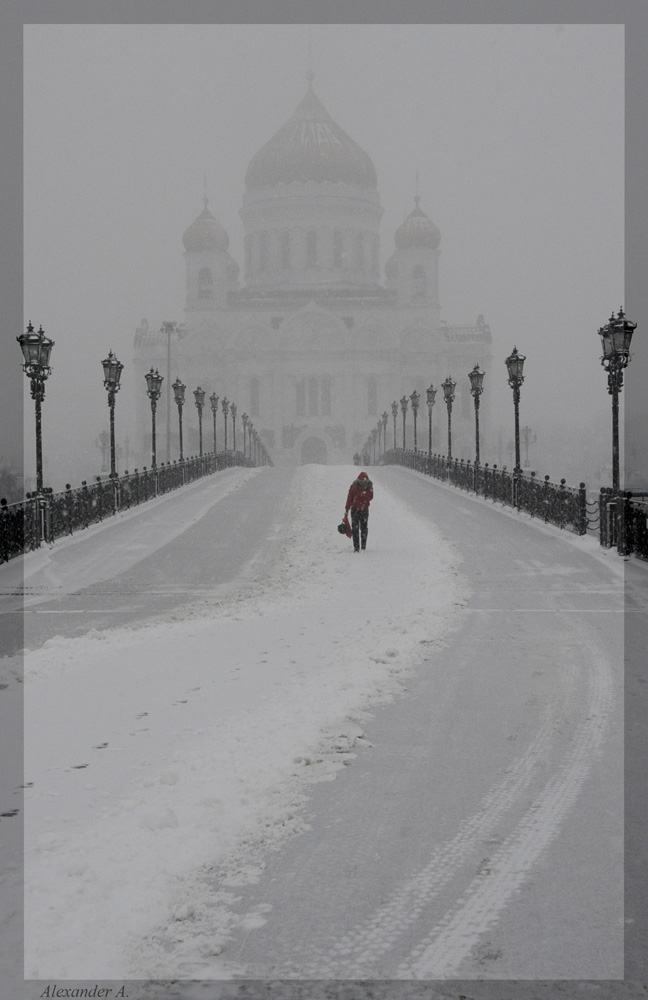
(46, 516)
(620, 520)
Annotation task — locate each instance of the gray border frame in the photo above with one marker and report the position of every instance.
(634, 14)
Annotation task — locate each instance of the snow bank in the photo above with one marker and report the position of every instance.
(159, 755)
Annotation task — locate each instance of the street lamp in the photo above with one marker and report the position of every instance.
(394, 409)
(616, 336)
(112, 369)
(199, 396)
(153, 389)
(476, 377)
(244, 420)
(225, 405)
(515, 367)
(179, 394)
(448, 394)
(233, 412)
(384, 419)
(403, 404)
(431, 396)
(213, 399)
(415, 398)
(36, 348)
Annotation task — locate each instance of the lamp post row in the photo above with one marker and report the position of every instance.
(616, 337)
(37, 348)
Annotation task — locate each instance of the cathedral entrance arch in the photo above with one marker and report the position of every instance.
(313, 451)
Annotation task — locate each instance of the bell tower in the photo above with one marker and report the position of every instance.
(210, 270)
(413, 269)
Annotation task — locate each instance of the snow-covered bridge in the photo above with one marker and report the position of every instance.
(249, 754)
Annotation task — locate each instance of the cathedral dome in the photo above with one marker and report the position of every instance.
(417, 231)
(310, 147)
(206, 233)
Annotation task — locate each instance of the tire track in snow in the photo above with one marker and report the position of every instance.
(441, 954)
(358, 954)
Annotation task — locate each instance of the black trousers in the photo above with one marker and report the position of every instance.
(359, 527)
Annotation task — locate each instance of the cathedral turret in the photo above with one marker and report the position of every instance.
(211, 272)
(413, 269)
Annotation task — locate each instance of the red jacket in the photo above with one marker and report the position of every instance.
(360, 493)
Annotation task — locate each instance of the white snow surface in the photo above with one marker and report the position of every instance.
(159, 754)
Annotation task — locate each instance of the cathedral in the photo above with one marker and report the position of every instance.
(309, 341)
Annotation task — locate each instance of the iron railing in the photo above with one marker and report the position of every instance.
(623, 521)
(553, 503)
(46, 516)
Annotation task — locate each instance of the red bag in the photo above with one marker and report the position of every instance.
(345, 522)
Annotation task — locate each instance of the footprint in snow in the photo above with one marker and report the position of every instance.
(79, 767)
(141, 715)
(12, 812)
(100, 746)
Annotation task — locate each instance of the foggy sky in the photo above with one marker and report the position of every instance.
(515, 131)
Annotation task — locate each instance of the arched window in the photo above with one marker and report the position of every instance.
(285, 248)
(263, 251)
(372, 396)
(255, 394)
(338, 248)
(419, 282)
(311, 248)
(326, 396)
(205, 283)
(300, 398)
(313, 397)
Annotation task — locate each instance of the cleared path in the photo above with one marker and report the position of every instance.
(215, 527)
(482, 834)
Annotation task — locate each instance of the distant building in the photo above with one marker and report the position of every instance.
(311, 344)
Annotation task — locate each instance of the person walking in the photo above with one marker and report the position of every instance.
(358, 499)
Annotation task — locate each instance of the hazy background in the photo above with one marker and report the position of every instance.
(516, 132)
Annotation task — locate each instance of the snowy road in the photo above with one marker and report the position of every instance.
(189, 812)
(482, 836)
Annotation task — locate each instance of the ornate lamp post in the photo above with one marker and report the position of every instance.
(213, 399)
(225, 405)
(36, 348)
(414, 399)
(515, 367)
(153, 389)
(244, 420)
(431, 396)
(448, 394)
(179, 395)
(616, 336)
(403, 404)
(476, 377)
(384, 420)
(233, 413)
(199, 396)
(112, 369)
(394, 409)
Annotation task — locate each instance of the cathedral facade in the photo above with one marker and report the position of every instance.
(308, 340)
